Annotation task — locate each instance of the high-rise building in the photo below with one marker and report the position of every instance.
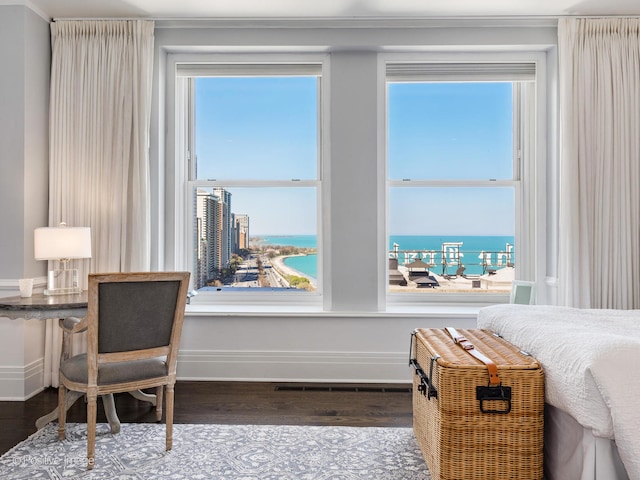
(225, 226)
(242, 231)
(213, 233)
(205, 241)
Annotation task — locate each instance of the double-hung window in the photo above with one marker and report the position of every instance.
(459, 148)
(250, 148)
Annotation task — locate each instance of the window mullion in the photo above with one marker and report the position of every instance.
(255, 183)
(452, 183)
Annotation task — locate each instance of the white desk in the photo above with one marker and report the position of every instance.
(42, 307)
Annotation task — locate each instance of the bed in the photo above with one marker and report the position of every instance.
(591, 361)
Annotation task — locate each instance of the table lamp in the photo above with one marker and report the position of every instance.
(62, 244)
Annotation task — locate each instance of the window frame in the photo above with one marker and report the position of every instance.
(529, 221)
(169, 176)
(180, 179)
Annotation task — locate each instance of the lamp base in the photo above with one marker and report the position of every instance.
(62, 282)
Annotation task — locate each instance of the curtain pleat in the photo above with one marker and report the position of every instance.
(100, 107)
(599, 217)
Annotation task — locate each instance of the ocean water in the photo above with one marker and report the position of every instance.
(494, 248)
(307, 264)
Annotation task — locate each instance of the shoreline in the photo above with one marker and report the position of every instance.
(278, 264)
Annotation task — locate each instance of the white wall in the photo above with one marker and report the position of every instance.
(12, 115)
(24, 96)
(354, 184)
(37, 65)
(354, 338)
(313, 347)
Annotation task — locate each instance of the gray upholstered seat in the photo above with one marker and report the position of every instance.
(75, 370)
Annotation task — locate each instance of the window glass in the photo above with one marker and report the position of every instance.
(450, 130)
(452, 186)
(456, 234)
(260, 237)
(254, 183)
(262, 128)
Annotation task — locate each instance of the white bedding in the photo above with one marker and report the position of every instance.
(591, 361)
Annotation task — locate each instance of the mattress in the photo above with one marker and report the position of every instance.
(589, 359)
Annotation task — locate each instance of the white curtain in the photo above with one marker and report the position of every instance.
(599, 218)
(101, 80)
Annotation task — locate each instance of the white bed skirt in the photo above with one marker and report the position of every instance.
(572, 452)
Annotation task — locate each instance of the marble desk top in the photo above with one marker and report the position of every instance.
(44, 306)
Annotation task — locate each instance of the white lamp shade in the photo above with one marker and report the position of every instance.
(54, 243)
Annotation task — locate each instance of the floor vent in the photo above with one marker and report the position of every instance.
(315, 388)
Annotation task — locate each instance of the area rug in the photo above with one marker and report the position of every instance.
(229, 452)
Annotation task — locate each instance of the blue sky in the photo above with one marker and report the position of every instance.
(256, 128)
(265, 129)
(450, 131)
(261, 129)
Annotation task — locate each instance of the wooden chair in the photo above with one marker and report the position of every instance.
(134, 322)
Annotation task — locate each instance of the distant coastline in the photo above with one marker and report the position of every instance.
(494, 247)
(300, 241)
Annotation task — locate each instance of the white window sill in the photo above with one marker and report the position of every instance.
(255, 310)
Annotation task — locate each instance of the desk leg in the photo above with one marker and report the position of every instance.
(145, 397)
(110, 413)
(72, 397)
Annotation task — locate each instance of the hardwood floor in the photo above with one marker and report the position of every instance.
(235, 403)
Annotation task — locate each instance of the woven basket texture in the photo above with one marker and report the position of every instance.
(458, 441)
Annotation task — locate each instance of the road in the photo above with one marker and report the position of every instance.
(247, 275)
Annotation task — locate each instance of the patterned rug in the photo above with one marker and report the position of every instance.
(229, 452)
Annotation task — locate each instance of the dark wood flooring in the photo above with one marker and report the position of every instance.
(234, 403)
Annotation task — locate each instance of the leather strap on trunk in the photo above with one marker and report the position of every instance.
(494, 378)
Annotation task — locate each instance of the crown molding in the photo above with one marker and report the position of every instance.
(358, 22)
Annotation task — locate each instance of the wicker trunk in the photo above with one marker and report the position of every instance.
(466, 429)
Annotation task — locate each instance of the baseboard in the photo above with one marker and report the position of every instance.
(21, 383)
(339, 367)
(34, 378)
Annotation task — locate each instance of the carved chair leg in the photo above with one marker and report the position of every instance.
(169, 415)
(159, 392)
(62, 411)
(92, 408)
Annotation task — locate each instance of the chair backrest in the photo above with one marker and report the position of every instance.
(135, 315)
